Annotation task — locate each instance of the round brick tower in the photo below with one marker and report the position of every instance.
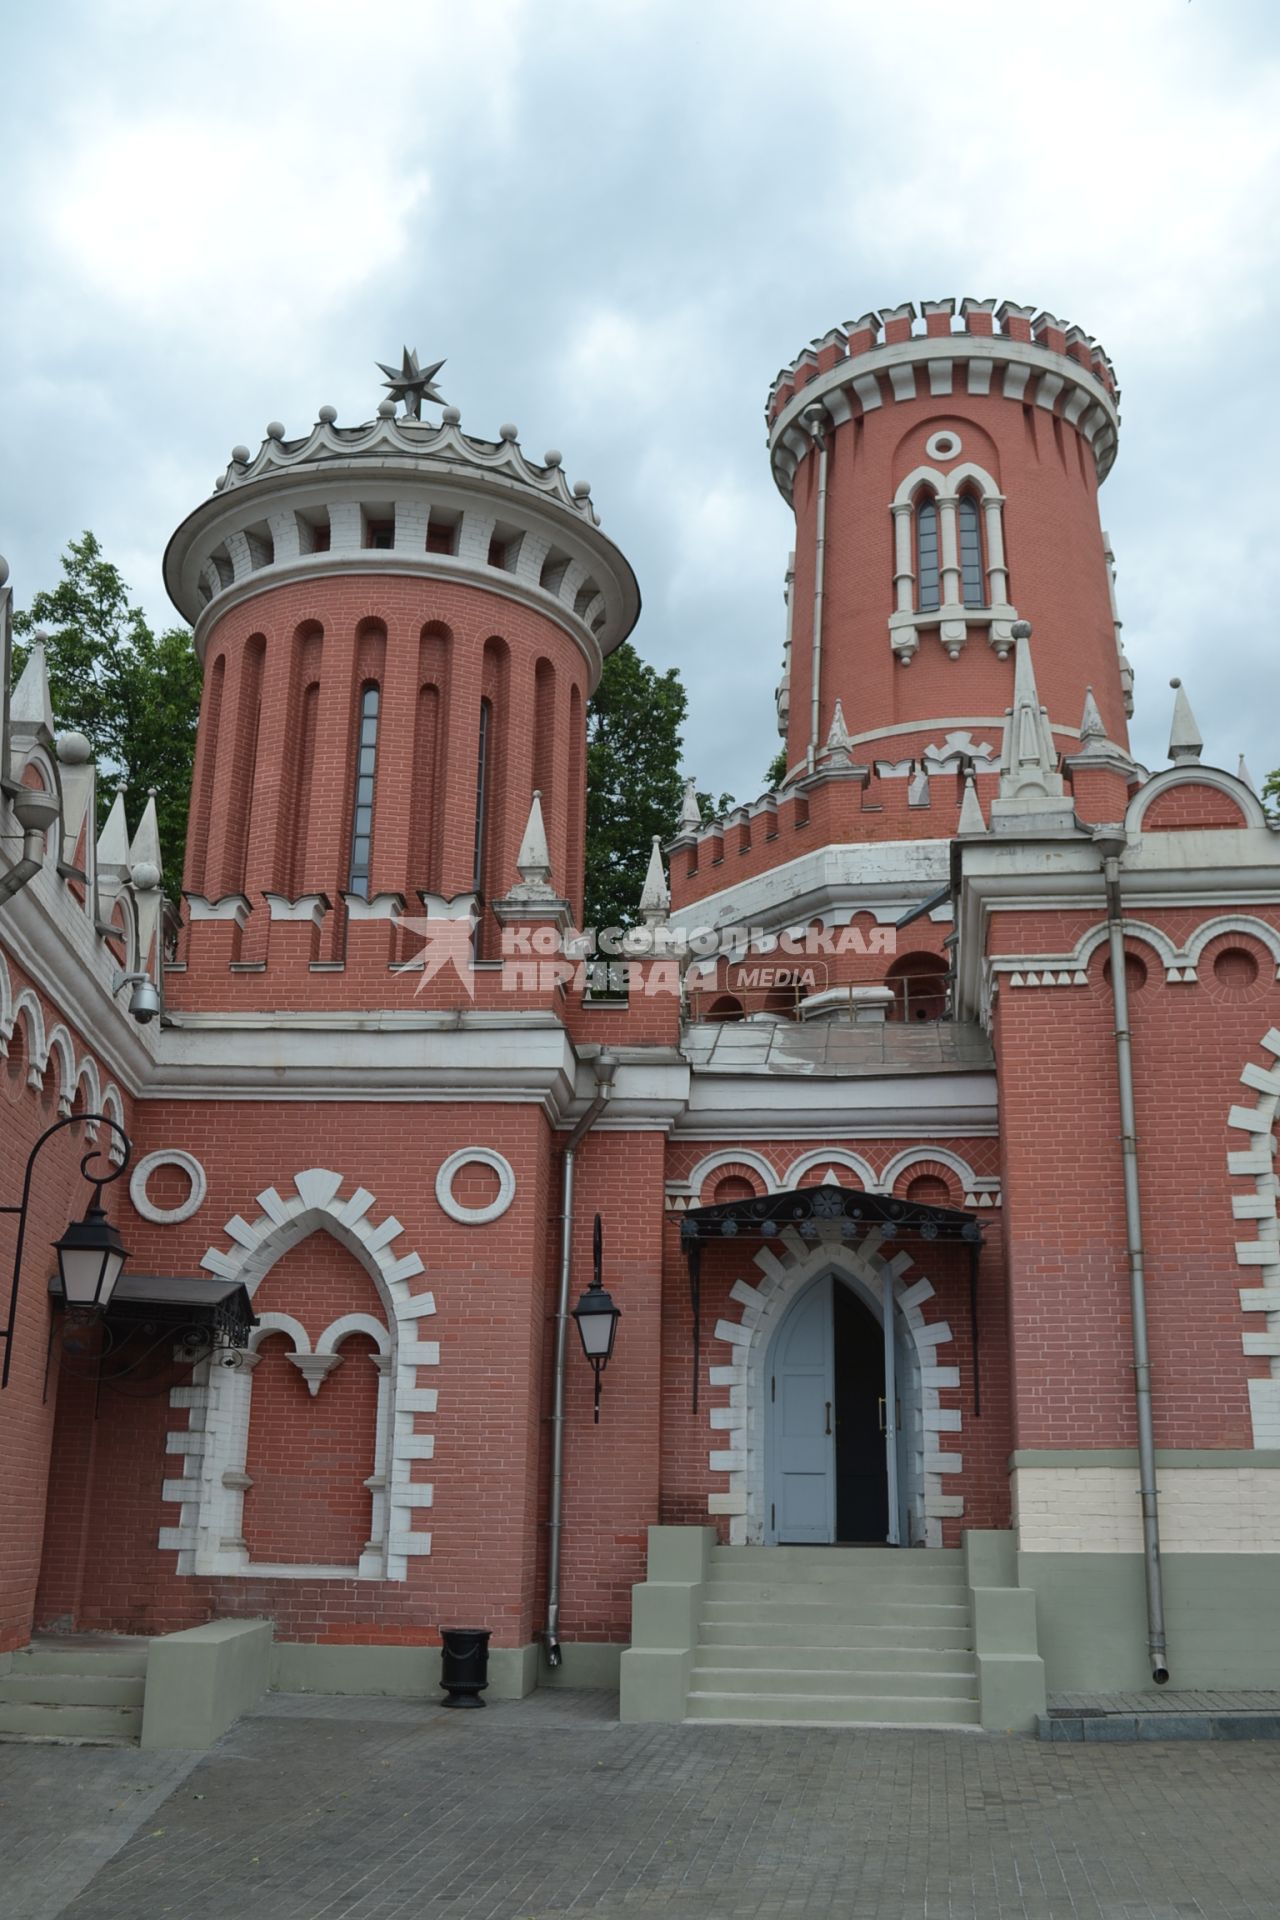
(400, 626)
(944, 482)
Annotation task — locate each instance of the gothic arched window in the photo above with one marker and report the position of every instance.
(928, 582)
(973, 584)
(362, 809)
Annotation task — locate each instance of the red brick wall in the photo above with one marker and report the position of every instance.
(58, 1193)
(1068, 1274)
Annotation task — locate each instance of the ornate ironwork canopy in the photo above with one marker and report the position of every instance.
(814, 1213)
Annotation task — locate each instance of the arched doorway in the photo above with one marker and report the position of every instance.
(833, 1465)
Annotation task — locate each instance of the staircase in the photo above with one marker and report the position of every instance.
(834, 1636)
(76, 1686)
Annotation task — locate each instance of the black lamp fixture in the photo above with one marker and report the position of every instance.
(91, 1254)
(597, 1316)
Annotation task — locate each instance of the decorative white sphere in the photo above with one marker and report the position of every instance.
(386, 409)
(145, 875)
(240, 456)
(327, 415)
(4, 569)
(508, 432)
(72, 749)
(275, 430)
(552, 457)
(220, 483)
(581, 489)
(451, 416)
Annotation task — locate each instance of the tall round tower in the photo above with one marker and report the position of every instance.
(944, 480)
(400, 626)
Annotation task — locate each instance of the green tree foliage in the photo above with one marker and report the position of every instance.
(133, 693)
(1271, 793)
(634, 784)
(776, 771)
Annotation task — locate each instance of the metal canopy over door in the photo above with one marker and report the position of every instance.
(802, 1475)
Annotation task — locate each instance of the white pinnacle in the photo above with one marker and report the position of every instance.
(655, 895)
(1185, 742)
(533, 862)
(1028, 757)
(1243, 773)
(1091, 726)
(690, 812)
(30, 704)
(971, 820)
(113, 841)
(839, 739)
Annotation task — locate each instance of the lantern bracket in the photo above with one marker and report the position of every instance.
(96, 1180)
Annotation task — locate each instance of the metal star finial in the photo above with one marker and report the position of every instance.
(411, 383)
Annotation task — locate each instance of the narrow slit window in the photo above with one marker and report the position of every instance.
(971, 552)
(928, 584)
(362, 811)
(482, 779)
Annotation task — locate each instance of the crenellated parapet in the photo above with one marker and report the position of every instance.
(901, 353)
(402, 496)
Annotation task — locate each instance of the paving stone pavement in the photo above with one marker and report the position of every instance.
(316, 1808)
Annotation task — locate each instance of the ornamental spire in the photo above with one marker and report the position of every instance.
(412, 384)
(1185, 742)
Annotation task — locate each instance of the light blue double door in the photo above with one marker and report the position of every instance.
(816, 1431)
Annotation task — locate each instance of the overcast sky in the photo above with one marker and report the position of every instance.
(617, 218)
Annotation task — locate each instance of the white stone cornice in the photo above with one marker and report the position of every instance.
(1099, 424)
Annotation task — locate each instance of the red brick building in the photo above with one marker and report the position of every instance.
(933, 1226)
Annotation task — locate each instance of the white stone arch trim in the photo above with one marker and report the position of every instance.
(87, 1075)
(931, 477)
(27, 1008)
(949, 485)
(151, 1163)
(1192, 774)
(6, 1006)
(129, 932)
(980, 1190)
(1254, 1164)
(783, 1270)
(337, 1331)
(62, 1046)
(1247, 923)
(208, 1537)
(690, 1188)
(836, 1158)
(113, 1109)
(1071, 969)
(269, 1323)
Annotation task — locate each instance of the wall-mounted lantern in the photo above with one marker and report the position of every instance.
(597, 1316)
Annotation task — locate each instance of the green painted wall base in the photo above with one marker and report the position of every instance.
(413, 1673)
(1222, 1614)
(1011, 1679)
(200, 1681)
(655, 1669)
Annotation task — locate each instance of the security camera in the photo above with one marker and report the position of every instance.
(144, 1000)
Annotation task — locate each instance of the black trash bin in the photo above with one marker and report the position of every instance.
(464, 1665)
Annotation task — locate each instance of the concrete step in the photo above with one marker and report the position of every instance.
(83, 1654)
(916, 1568)
(796, 1615)
(853, 1592)
(749, 1632)
(833, 1709)
(70, 1723)
(825, 1683)
(73, 1689)
(927, 1661)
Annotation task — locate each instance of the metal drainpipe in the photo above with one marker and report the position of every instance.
(606, 1066)
(35, 811)
(816, 420)
(1111, 844)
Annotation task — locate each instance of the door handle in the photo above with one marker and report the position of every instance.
(828, 1416)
